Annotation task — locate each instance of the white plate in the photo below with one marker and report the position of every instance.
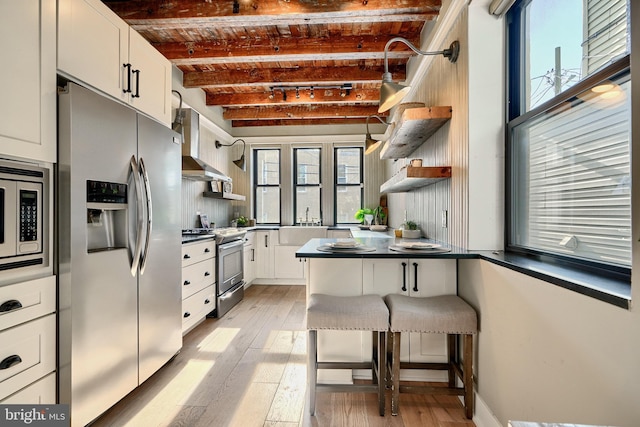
(344, 244)
(418, 245)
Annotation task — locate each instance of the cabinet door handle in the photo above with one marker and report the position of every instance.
(12, 304)
(253, 254)
(128, 89)
(186, 256)
(137, 94)
(404, 277)
(415, 277)
(186, 314)
(206, 273)
(186, 283)
(10, 361)
(266, 241)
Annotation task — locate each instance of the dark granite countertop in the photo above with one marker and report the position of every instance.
(379, 247)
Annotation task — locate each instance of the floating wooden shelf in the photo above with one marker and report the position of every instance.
(412, 129)
(225, 196)
(410, 178)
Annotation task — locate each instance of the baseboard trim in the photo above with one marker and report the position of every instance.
(483, 416)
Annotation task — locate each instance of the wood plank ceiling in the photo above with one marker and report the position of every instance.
(249, 56)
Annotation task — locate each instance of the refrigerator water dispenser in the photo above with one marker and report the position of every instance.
(106, 216)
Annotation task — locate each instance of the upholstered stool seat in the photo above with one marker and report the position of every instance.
(445, 314)
(358, 313)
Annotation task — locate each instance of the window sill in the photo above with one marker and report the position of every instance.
(613, 291)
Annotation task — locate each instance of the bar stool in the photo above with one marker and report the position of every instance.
(361, 313)
(445, 314)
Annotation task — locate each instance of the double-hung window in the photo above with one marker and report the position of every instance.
(267, 185)
(307, 184)
(569, 138)
(349, 184)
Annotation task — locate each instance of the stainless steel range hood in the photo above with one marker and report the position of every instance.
(192, 166)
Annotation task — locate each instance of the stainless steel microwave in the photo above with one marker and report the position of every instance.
(23, 215)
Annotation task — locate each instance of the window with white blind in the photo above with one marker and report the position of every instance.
(568, 159)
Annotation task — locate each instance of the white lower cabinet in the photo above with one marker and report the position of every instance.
(416, 278)
(286, 265)
(27, 353)
(249, 260)
(198, 282)
(40, 392)
(264, 246)
(28, 341)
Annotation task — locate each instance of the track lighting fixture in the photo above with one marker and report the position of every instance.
(392, 93)
(345, 90)
(240, 162)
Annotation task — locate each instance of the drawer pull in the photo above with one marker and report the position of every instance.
(207, 301)
(10, 361)
(206, 273)
(207, 250)
(186, 282)
(10, 305)
(186, 256)
(186, 314)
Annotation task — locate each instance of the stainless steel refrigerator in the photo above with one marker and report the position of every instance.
(119, 250)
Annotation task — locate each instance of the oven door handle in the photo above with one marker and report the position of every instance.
(230, 246)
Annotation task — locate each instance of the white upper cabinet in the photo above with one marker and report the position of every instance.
(98, 48)
(28, 108)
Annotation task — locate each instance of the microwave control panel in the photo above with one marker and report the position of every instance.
(28, 215)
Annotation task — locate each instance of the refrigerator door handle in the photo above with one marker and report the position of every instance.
(147, 188)
(140, 218)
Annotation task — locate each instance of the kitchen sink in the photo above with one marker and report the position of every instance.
(294, 235)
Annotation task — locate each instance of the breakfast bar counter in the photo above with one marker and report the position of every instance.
(380, 245)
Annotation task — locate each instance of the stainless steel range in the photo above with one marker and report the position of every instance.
(229, 265)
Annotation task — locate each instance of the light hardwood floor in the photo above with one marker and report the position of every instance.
(249, 369)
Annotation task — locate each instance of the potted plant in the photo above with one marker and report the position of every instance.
(360, 214)
(410, 230)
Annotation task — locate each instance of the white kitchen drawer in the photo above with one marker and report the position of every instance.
(198, 276)
(42, 392)
(35, 344)
(199, 251)
(197, 306)
(36, 298)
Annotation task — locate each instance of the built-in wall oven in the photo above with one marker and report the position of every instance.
(24, 218)
(230, 274)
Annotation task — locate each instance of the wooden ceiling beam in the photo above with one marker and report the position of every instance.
(176, 14)
(298, 122)
(320, 96)
(305, 76)
(283, 49)
(298, 112)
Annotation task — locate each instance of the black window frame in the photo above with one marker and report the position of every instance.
(296, 184)
(336, 184)
(257, 186)
(516, 115)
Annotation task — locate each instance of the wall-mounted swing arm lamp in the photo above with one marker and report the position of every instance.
(240, 162)
(392, 93)
(370, 144)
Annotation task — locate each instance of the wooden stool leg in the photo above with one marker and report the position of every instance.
(375, 340)
(395, 374)
(312, 369)
(382, 366)
(468, 374)
(451, 354)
